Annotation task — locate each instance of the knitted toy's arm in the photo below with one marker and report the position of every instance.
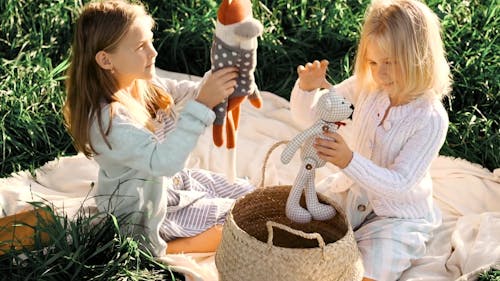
(297, 141)
(217, 128)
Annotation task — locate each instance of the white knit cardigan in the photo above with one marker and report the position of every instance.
(389, 171)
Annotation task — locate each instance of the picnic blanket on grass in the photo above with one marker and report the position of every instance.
(468, 242)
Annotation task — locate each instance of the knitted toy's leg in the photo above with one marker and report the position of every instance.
(234, 106)
(233, 117)
(293, 209)
(230, 131)
(318, 210)
(236, 116)
(217, 135)
(220, 114)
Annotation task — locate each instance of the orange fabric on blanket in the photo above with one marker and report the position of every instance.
(20, 230)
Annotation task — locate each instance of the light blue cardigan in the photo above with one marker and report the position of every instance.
(136, 171)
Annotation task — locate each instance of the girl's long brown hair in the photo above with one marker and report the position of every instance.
(101, 26)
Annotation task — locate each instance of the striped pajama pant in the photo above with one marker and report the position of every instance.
(198, 200)
(388, 245)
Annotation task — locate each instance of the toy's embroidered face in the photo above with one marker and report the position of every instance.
(332, 107)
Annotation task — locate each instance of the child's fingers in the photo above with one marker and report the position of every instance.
(333, 150)
(338, 138)
(335, 136)
(325, 143)
(327, 149)
(226, 73)
(228, 80)
(300, 69)
(325, 152)
(220, 84)
(228, 91)
(228, 77)
(225, 70)
(229, 84)
(324, 63)
(330, 145)
(316, 64)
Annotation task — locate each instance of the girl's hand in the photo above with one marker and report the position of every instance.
(333, 150)
(313, 75)
(218, 86)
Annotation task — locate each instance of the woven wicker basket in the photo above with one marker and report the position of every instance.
(260, 243)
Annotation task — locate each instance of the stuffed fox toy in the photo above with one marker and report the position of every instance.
(235, 44)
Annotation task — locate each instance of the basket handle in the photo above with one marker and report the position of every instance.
(266, 158)
(311, 236)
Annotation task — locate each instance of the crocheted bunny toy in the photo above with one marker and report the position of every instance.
(235, 44)
(331, 109)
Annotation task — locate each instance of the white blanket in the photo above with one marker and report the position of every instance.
(469, 195)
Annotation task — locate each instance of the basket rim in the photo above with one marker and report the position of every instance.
(230, 219)
(321, 196)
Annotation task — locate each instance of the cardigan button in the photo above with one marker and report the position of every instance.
(361, 208)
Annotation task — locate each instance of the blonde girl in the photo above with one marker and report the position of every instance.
(399, 125)
(140, 130)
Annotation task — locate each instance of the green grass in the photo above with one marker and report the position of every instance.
(35, 38)
(301, 31)
(34, 41)
(491, 275)
(79, 250)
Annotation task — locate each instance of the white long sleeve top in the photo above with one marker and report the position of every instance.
(390, 164)
(135, 172)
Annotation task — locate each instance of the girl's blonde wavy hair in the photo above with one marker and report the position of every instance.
(102, 26)
(410, 33)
